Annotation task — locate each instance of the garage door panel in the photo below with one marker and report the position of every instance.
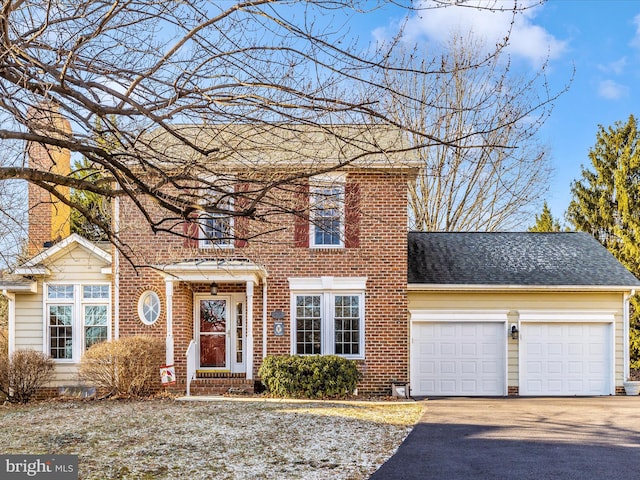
(469, 349)
(468, 358)
(447, 367)
(575, 349)
(426, 348)
(552, 368)
(426, 368)
(565, 359)
(489, 367)
(576, 368)
(469, 368)
(534, 367)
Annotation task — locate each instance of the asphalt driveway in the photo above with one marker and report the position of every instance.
(521, 438)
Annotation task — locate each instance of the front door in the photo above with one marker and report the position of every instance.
(212, 322)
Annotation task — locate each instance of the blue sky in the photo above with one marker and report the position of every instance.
(600, 38)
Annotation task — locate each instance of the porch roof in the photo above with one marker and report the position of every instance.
(204, 271)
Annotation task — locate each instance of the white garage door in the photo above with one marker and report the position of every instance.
(562, 359)
(458, 358)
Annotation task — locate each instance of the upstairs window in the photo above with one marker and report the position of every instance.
(333, 203)
(327, 216)
(211, 230)
(216, 229)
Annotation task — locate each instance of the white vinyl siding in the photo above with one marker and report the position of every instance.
(73, 266)
(76, 266)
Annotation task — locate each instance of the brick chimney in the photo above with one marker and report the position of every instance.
(49, 218)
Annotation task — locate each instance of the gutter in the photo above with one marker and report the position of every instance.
(424, 287)
(625, 329)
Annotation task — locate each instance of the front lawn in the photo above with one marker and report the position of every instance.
(167, 439)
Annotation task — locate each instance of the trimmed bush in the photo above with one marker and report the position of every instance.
(23, 373)
(128, 367)
(314, 376)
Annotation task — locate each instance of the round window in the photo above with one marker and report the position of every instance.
(149, 307)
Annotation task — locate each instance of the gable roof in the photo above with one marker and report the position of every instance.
(35, 265)
(510, 259)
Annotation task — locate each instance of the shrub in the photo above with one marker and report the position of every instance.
(126, 367)
(315, 376)
(22, 373)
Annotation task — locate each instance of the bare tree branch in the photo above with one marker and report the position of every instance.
(197, 97)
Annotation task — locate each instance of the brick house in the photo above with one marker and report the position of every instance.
(345, 278)
(330, 281)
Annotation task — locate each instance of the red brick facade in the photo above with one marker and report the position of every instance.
(376, 250)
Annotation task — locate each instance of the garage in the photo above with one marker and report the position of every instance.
(516, 313)
(564, 358)
(458, 354)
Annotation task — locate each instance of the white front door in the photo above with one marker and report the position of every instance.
(220, 332)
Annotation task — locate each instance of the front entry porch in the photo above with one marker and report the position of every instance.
(219, 357)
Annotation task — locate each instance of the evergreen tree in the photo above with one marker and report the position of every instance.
(95, 221)
(97, 205)
(606, 204)
(545, 221)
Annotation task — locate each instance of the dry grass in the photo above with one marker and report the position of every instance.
(167, 439)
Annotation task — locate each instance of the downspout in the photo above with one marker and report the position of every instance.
(11, 313)
(264, 318)
(625, 327)
(116, 272)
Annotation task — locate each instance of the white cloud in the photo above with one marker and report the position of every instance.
(635, 41)
(527, 40)
(617, 67)
(612, 90)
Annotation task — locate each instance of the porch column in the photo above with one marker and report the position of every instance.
(169, 344)
(249, 330)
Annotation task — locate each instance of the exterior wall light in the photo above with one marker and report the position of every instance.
(514, 332)
(214, 288)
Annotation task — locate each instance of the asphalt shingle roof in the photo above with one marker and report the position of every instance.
(510, 258)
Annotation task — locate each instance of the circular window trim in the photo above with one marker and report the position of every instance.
(143, 305)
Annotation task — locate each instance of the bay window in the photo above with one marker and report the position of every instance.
(77, 317)
(329, 320)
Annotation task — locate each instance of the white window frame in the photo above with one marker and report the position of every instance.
(319, 193)
(78, 304)
(205, 242)
(141, 304)
(328, 288)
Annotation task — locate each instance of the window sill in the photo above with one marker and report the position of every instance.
(216, 247)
